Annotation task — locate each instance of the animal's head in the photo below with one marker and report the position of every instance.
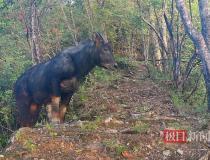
(104, 52)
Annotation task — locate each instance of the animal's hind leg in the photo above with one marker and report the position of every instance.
(53, 110)
(65, 99)
(34, 113)
(27, 114)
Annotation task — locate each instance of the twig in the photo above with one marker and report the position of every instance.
(153, 28)
(156, 32)
(6, 128)
(189, 66)
(195, 88)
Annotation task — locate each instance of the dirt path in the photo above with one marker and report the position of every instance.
(124, 119)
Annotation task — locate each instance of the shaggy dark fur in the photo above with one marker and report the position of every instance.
(58, 77)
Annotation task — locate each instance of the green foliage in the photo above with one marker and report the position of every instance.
(158, 75)
(51, 130)
(176, 98)
(125, 63)
(115, 146)
(177, 125)
(140, 127)
(184, 98)
(119, 19)
(105, 76)
(92, 125)
(97, 75)
(4, 137)
(30, 145)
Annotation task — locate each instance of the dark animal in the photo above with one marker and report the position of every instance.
(54, 82)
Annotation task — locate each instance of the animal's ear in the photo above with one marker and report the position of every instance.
(97, 38)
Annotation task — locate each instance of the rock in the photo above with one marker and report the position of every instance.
(117, 121)
(179, 151)
(111, 131)
(135, 115)
(112, 120)
(148, 146)
(77, 124)
(12, 139)
(108, 120)
(166, 153)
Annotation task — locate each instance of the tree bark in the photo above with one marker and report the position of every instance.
(205, 20)
(174, 45)
(89, 14)
(157, 53)
(146, 41)
(199, 41)
(164, 37)
(35, 48)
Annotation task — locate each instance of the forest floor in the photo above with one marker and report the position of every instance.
(121, 119)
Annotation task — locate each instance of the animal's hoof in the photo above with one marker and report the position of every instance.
(55, 121)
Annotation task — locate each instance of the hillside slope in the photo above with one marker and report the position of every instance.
(121, 117)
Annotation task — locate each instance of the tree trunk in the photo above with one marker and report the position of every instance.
(35, 48)
(146, 41)
(72, 30)
(204, 8)
(89, 14)
(174, 45)
(198, 39)
(164, 37)
(157, 53)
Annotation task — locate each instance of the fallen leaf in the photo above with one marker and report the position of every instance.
(127, 155)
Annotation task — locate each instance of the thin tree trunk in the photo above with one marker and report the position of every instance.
(157, 53)
(164, 37)
(74, 26)
(204, 8)
(133, 44)
(146, 46)
(26, 25)
(89, 14)
(174, 45)
(72, 31)
(35, 48)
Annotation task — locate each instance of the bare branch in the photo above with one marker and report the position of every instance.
(190, 66)
(189, 28)
(156, 32)
(195, 88)
(5, 128)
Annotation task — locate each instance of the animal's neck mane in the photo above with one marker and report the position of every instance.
(84, 58)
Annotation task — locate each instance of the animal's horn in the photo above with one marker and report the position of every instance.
(105, 38)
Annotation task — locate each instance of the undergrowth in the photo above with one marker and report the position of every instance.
(183, 98)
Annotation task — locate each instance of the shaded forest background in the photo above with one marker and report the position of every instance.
(151, 31)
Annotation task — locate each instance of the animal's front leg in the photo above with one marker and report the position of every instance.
(53, 109)
(53, 106)
(65, 99)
